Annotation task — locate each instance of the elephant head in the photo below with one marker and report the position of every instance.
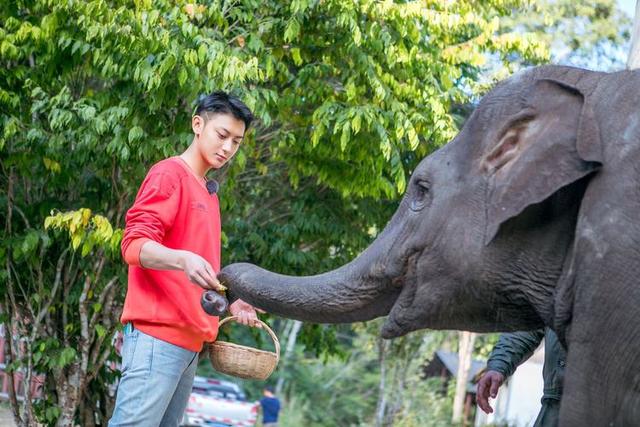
(528, 217)
(481, 235)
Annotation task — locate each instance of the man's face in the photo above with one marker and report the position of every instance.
(218, 138)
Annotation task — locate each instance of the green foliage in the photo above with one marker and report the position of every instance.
(590, 34)
(346, 388)
(349, 95)
(430, 405)
(345, 391)
(86, 230)
(484, 345)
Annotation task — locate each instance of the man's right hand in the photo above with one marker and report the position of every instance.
(199, 271)
(488, 387)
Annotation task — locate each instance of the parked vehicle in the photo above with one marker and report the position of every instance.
(218, 403)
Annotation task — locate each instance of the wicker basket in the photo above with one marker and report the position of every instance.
(244, 362)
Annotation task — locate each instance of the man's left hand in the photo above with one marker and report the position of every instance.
(245, 313)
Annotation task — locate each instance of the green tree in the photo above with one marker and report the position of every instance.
(348, 95)
(589, 34)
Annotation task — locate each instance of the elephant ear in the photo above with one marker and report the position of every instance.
(553, 142)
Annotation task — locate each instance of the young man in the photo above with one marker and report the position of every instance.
(172, 245)
(270, 407)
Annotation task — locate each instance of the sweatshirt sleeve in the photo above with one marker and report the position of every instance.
(513, 349)
(151, 215)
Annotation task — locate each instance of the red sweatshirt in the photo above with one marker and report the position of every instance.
(174, 209)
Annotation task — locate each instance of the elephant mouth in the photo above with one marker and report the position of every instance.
(397, 323)
(399, 319)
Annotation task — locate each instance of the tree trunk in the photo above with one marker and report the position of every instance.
(383, 345)
(465, 353)
(399, 382)
(87, 414)
(69, 389)
(27, 402)
(634, 52)
(288, 351)
(9, 358)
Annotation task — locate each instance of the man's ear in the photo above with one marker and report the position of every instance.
(197, 124)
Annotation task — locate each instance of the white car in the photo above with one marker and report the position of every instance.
(217, 403)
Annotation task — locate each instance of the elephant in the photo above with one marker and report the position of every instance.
(529, 217)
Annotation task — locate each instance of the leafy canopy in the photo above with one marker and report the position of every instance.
(349, 96)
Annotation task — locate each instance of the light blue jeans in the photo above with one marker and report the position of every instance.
(156, 381)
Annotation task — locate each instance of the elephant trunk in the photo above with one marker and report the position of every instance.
(361, 290)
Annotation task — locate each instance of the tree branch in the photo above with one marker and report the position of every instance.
(56, 284)
(7, 226)
(107, 290)
(69, 278)
(84, 324)
(23, 216)
(10, 357)
(274, 219)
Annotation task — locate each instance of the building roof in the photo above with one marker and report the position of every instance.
(450, 361)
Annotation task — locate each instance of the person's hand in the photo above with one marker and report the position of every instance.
(245, 313)
(200, 272)
(488, 386)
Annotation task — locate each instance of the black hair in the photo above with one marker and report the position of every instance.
(222, 102)
(269, 388)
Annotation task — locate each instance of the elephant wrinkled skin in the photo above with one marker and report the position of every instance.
(529, 217)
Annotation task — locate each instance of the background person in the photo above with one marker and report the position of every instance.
(270, 407)
(513, 349)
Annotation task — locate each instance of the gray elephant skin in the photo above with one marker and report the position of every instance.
(529, 217)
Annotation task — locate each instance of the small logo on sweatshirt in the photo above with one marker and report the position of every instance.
(199, 206)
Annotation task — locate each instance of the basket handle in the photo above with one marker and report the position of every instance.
(272, 334)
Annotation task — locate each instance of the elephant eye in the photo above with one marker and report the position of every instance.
(420, 194)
